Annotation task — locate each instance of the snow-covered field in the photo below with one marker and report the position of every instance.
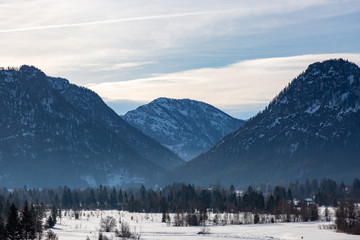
(149, 226)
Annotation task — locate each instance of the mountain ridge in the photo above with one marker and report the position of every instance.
(187, 127)
(91, 104)
(302, 133)
(47, 141)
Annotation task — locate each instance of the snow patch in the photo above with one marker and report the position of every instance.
(47, 103)
(293, 147)
(284, 100)
(276, 122)
(290, 116)
(351, 109)
(183, 112)
(50, 150)
(318, 135)
(326, 124)
(28, 134)
(10, 137)
(59, 83)
(315, 72)
(344, 96)
(313, 108)
(351, 79)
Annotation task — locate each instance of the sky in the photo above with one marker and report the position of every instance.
(236, 55)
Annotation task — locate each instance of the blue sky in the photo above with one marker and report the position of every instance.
(235, 55)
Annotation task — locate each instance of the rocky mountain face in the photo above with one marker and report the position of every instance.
(47, 140)
(310, 130)
(89, 103)
(185, 126)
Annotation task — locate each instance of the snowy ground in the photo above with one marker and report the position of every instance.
(150, 227)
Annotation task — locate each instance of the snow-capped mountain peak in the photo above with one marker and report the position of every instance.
(311, 129)
(185, 126)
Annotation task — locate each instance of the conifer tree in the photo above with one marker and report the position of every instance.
(13, 229)
(91, 200)
(2, 228)
(2, 205)
(50, 222)
(66, 198)
(314, 213)
(27, 223)
(120, 196)
(113, 199)
(103, 196)
(38, 216)
(54, 214)
(356, 188)
(270, 205)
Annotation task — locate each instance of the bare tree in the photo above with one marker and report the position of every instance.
(107, 224)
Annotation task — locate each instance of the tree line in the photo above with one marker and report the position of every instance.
(182, 197)
(288, 202)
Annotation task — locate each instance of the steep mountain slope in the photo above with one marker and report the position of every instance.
(185, 126)
(311, 129)
(91, 104)
(46, 141)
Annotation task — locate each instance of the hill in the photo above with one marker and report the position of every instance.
(310, 130)
(48, 140)
(185, 126)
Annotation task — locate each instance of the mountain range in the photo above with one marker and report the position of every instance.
(89, 103)
(52, 128)
(55, 133)
(310, 130)
(185, 126)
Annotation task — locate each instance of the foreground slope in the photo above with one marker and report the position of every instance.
(185, 126)
(91, 104)
(311, 129)
(46, 141)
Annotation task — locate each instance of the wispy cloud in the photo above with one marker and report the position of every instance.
(242, 88)
(112, 41)
(65, 37)
(118, 66)
(112, 21)
(96, 67)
